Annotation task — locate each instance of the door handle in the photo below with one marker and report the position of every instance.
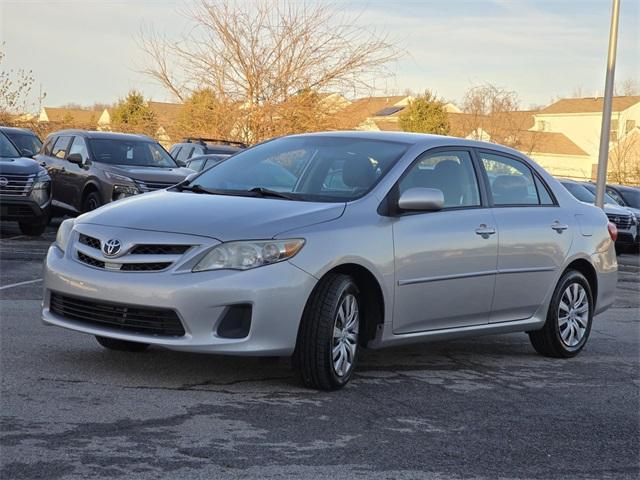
(485, 231)
(559, 227)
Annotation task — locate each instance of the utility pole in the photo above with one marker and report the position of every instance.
(603, 156)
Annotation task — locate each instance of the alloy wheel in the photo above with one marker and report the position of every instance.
(345, 335)
(573, 314)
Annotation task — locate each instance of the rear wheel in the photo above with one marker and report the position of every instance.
(327, 348)
(569, 318)
(121, 345)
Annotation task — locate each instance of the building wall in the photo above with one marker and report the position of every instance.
(571, 166)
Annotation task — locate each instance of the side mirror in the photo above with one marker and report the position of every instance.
(191, 176)
(26, 152)
(422, 199)
(76, 158)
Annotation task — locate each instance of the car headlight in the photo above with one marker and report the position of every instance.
(249, 254)
(117, 177)
(41, 189)
(64, 232)
(124, 191)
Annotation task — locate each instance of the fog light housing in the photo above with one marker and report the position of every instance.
(236, 322)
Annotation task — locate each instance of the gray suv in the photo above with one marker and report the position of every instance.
(89, 169)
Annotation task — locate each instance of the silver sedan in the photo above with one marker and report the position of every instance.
(318, 245)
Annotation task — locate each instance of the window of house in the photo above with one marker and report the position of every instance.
(614, 131)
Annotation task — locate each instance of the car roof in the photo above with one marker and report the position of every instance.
(105, 135)
(212, 148)
(17, 130)
(410, 138)
(624, 187)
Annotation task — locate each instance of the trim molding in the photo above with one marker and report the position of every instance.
(505, 271)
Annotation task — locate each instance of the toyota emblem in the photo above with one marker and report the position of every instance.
(4, 182)
(111, 247)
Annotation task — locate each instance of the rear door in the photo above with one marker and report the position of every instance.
(56, 162)
(445, 261)
(74, 176)
(534, 239)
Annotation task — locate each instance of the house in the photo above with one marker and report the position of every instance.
(93, 119)
(580, 121)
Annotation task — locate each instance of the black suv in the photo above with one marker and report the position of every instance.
(25, 190)
(27, 142)
(89, 169)
(192, 147)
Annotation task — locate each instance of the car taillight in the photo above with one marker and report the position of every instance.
(613, 231)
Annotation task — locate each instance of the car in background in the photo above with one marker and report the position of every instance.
(204, 162)
(25, 190)
(196, 146)
(27, 142)
(269, 254)
(90, 169)
(623, 219)
(626, 196)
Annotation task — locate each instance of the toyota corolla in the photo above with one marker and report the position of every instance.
(315, 246)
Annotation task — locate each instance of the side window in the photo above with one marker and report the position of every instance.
(211, 162)
(511, 181)
(197, 151)
(184, 154)
(48, 146)
(615, 196)
(543, 193)
(79, 146)
(451, 172)
(61, 146)
(196, 165)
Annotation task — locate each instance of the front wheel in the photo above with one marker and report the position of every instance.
(327, 348)
(569, 318)
(121, 345)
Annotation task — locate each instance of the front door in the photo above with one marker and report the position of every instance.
(535, 236)
(445, 261)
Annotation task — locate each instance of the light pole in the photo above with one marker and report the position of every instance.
(603, 156)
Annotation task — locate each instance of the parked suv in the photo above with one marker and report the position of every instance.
(89, 169)
(27, 142)
(623, 219)
(25, 190)
(318, 245)
(192, 147)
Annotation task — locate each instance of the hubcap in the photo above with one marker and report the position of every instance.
(573, 314)
(345, 335)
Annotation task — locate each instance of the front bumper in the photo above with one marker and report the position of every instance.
(277, 294)
(23, 209)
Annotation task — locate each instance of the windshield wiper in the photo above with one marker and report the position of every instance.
(265, 192)
(197, 188)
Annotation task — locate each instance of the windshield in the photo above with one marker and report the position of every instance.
(580, 192)
(27, 143)
(632, 197)
(131, 152)
(7, 150)
(313, 168)
(607, 198)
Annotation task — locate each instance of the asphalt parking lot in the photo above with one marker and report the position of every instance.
(488, 407)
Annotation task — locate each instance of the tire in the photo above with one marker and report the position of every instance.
(333, 299)
(32, 229)
(91, 202)
(556, 338)
(121, 345)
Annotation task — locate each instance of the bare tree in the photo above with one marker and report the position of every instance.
(628, 87)
(15, 88)
(624, 159)
(262, 54)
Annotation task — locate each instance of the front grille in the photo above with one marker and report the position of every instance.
(151, 186)
(159, 249)
(144, 267)
(621, 221)
(89, 241)
(15, 185)
(90, 260)
(148, 321)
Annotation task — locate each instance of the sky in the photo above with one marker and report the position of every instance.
(86, 51)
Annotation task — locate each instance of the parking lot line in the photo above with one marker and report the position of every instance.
(20, 283)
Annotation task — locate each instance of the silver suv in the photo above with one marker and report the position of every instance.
(318, 245)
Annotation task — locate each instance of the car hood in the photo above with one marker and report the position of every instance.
(20, 165)
(218, 216)
(615, 209)
(151, 174)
